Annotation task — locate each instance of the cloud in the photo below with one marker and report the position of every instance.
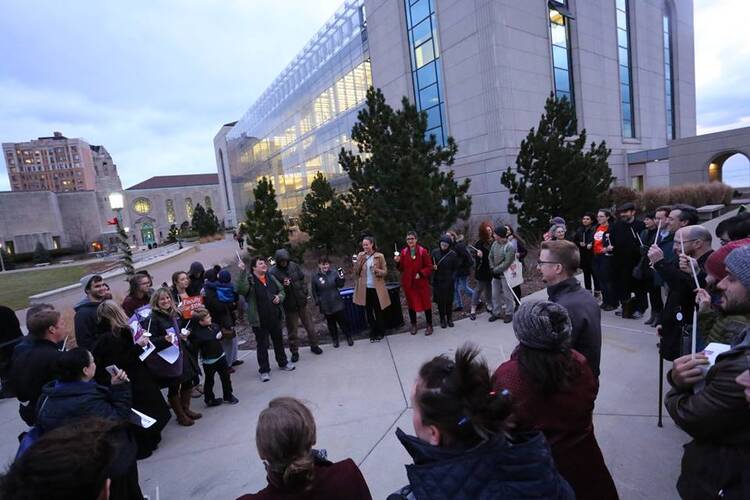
(151, 81)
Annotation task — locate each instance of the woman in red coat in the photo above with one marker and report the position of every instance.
(553, 391)
(415, 264)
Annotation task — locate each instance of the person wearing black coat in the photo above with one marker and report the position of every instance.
(10, 336)
(325, 291)
(115, 346)
(584, 240)
(85, 317)
(463, 270)
(624, 237)
(34, 361)
(165, 325)
(482, 273)
(76, 396)
(443, 279)
(196, 275)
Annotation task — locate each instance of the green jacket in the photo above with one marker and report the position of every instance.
(501, 257)
(245, 289)
(716, 327)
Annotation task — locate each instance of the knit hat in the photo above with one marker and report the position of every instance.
(715, 265)
(224, 276)
(542, 325)
(738, 263)
(501, 231)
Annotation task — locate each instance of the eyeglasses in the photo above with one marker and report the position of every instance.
(540, 262)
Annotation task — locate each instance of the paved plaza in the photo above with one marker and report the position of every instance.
(359, 396)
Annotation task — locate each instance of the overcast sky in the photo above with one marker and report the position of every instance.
(154, 80)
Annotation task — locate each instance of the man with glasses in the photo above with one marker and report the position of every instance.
(558, 262)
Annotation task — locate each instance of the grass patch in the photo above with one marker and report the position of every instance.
(17, 287)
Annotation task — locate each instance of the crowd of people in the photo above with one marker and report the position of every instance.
(522, 431)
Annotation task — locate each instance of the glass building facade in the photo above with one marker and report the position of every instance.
(299, 124)
(626, 77)
(562, 71)
(668, 75)
(424, 51)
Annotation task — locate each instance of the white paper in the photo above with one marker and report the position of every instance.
(713, 350)
(147, 351)
(145, 420)
(171, 354)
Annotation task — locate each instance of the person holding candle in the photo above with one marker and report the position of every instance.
(370, 270)
(717, 415)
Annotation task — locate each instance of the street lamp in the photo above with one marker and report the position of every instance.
(117, 203)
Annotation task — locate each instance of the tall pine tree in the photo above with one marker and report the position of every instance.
(398, 179)
(555, 174)
(326, 218)
(199, 222)
(266, 229)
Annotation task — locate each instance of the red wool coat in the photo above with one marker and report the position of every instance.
(417, 291)
(565, 419)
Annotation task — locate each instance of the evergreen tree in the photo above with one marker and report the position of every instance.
(212, 222)
(397, 183)
(555, 174)
(199, 221)
(326, 218)
(41, 254)
(266, 229)
(174, 232)
(126, 259)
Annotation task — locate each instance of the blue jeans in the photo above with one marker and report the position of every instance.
(461, 284)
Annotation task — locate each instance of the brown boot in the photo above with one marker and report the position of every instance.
(428, 330)
(182, 419)
(186, 396)
(413, 329)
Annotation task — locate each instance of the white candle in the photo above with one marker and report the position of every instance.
(695, 332)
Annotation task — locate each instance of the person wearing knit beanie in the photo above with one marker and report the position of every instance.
(715, 266)
(542, 325)
(738, 264)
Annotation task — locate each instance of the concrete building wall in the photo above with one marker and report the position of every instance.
(225, 177)
(497, 73)
(30, 217)
(691, 157)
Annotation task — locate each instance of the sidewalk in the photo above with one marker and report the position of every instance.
(359, 395)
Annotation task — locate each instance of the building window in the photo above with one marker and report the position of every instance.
(562, 74)
(625, 68)
(636, 182)
(55, 242)
(207, 201)
(668, 75)
(141, 206)
(189, 208)
(424, 50)
(10, 248)
(170, 212)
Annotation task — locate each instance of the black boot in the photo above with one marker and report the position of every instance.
(450, 319)
(349, 340)
(335, 337)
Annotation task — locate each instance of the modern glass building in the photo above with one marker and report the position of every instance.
(300, 123)
(482, 72)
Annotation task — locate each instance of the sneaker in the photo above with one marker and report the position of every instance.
(237, 362)
(213, 402)
(295, 356)
(472, 316)
(316, 349)
(265, 377)
(492, 318)
(618, 313)
(508, 319)
(637, 315)
(609, 308)
(458, 308)
(450, 324)
(232, 400)
(288, 367)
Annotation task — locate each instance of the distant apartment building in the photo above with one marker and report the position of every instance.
(56, 164)
(481, 71)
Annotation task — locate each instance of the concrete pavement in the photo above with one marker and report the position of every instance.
(359, 395)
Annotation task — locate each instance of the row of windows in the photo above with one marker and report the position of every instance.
(424, 50)
(562, 63)
(142, 206)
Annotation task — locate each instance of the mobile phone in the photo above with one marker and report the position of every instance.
(112, 370)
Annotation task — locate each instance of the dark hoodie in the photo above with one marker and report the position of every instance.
(296, 292)
(196, 275)
(85, 323)
(515, 467)
(63, 402)
(443, 278)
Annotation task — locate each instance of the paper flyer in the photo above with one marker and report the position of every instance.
(713, 350)
(147, 351)
(143, 420)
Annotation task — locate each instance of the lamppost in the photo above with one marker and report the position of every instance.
(117, 203)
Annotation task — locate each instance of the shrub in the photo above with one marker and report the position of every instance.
(620, 194)
(697, 195)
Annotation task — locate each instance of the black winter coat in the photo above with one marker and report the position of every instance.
(518, 467)
(33, 365)
(296, 292)
(583, 237)
(86, 323)
(64, 402)
(117, 348)
(482, 272)
(624, 238)
(585, 319)
(325, 292)
(463, 268)
(443, 278)
(205, 341)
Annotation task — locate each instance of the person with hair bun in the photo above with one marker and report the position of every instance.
(554, 389)
(285, 436)
(462, 450)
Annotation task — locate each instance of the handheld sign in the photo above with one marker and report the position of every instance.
(189, 304)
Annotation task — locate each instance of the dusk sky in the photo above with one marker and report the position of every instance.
(153, 81)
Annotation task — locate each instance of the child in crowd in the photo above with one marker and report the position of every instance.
(206, 338)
